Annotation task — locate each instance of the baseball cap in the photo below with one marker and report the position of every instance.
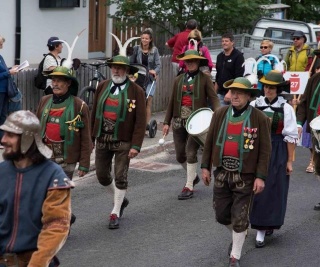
(51, 41)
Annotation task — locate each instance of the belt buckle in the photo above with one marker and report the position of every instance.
(230, 163)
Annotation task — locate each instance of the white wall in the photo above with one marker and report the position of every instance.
(38, 25)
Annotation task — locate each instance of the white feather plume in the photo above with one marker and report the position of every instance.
(123, 48)
(68, 62)
(195, 44)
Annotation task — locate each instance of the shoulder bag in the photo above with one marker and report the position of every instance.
(12, 88)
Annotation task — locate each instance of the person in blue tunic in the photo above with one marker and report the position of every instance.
(269, 207)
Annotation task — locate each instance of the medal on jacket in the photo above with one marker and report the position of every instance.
(251, 144)
(131, 104)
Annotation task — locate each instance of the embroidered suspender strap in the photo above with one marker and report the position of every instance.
(223, 133)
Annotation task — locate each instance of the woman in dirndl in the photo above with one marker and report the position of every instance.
(269, 207)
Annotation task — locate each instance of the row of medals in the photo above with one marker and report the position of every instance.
(250, 134)
(132, 105)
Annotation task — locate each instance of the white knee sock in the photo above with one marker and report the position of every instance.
(260, 235)
(118, 199)
(110, 188)
(238, 240)
(191, 174)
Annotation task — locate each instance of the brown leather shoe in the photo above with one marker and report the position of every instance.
(185, 194)
(114, 221)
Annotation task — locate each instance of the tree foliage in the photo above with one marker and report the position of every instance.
(304, 10)
(212, 15)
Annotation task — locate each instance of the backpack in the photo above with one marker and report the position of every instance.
(40, 80)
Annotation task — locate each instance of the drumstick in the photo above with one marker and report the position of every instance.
(161, 141)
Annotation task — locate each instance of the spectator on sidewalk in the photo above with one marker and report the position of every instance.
(195, 43)
(191, 91)
(118, 126)
(178, 41)
(239, 146)
(34, 196)
(148, 55)
(228, 66)
(65, 125)
(52, 60)
(5, 74)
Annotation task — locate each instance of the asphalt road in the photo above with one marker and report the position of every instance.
(159, 230)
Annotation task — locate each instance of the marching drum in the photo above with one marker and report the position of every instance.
(315, 127)
(198, 124)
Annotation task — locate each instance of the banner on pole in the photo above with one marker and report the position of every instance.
(298, 81)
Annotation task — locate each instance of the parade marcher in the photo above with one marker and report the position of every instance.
(178, 41)
(118, 126)
(34, 196)
(228, 66)
(299, 58)
(190, 92)
(238, 145)
(309, 108)
(269, 207)
(65, 125)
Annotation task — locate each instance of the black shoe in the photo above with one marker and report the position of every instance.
(317, 207)
(114, 221)
(73, 219)
(185, 194)
(196, 180)
(229, 249)
(234, 262)
(269, 232)
(124, 204)
(260, 244)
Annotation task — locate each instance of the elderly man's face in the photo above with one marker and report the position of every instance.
(11, 143)
(192, 64)
(60, 85)
(239, 98)
(118, 73)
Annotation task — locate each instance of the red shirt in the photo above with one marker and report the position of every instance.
(178, 42)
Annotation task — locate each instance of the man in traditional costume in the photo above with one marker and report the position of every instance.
(191, 91)
(118, 126)
(238, 144)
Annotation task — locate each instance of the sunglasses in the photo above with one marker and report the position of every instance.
(264, 47)
(296, 38)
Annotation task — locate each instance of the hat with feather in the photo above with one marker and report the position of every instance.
(122, 58)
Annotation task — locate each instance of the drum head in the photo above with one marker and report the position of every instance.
(315, 124)
(199, 121)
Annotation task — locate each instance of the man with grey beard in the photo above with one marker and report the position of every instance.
(118, 126)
